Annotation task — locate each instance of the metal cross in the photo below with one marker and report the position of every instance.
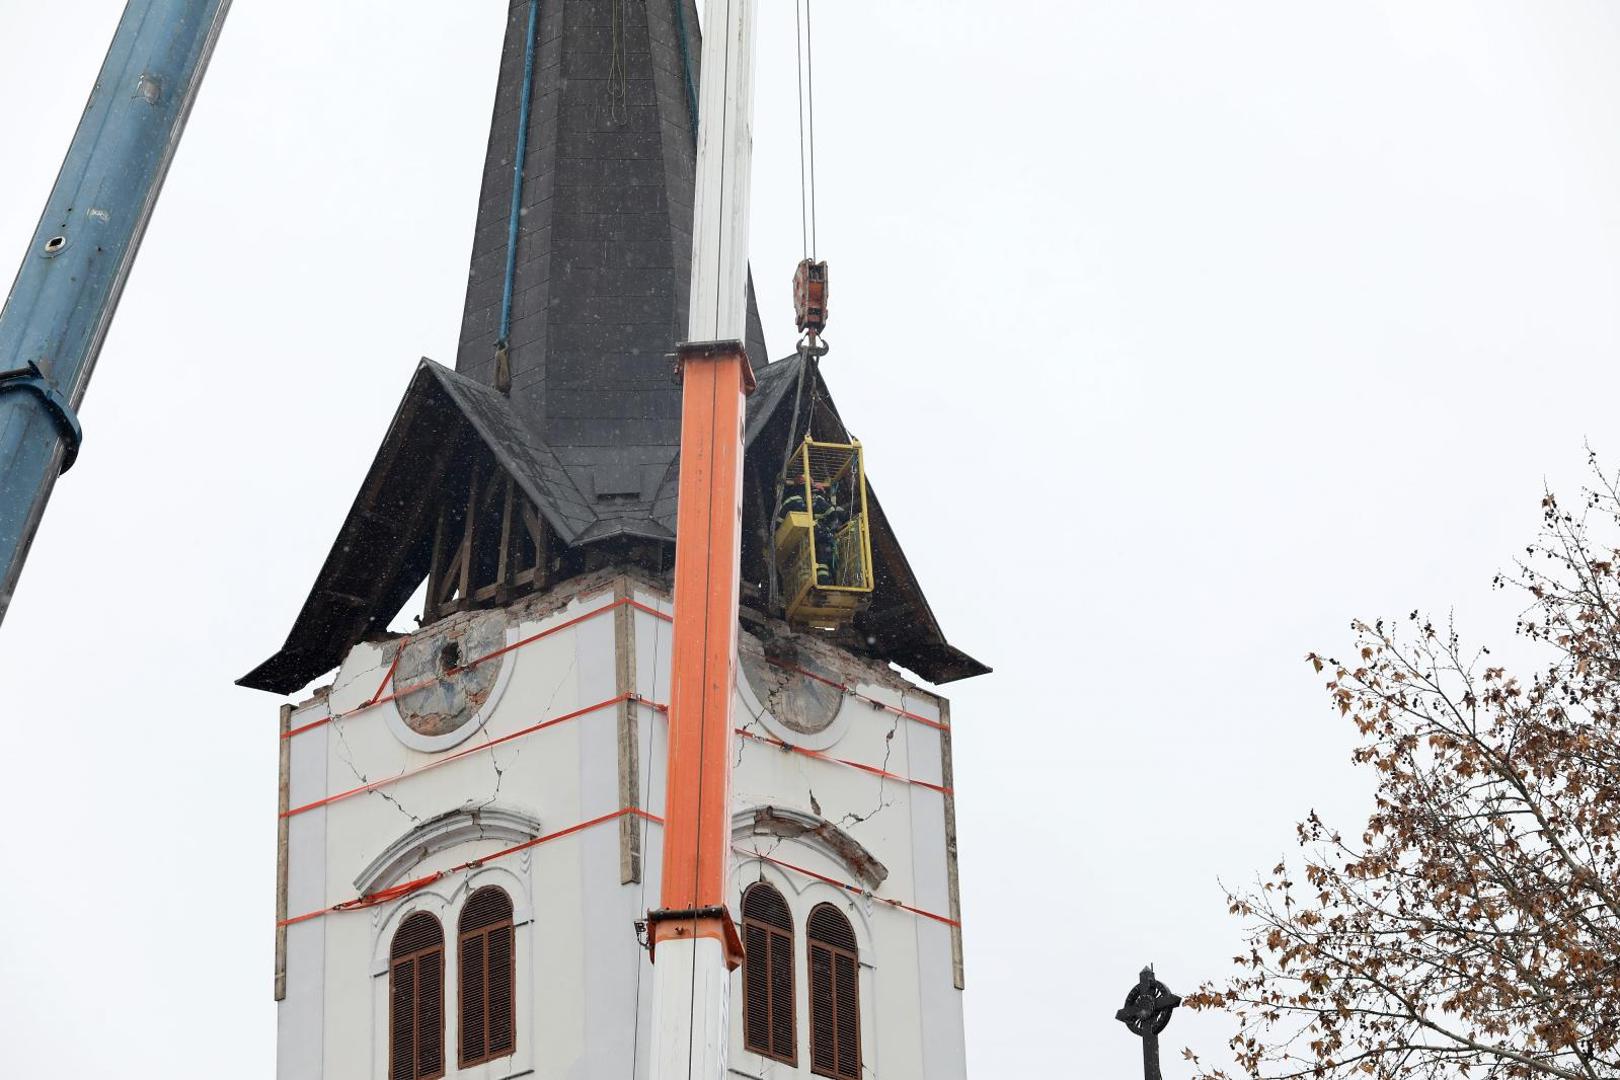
(1147, 1010)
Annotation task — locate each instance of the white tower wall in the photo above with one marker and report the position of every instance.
(565, 737)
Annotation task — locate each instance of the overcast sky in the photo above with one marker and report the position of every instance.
(1178, 335)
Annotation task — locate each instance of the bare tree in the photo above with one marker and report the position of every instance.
(1472, 928)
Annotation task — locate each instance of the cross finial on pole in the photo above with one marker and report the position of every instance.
(1146, 1012)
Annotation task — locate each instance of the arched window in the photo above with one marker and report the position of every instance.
(767, 930)
(488, 967)
(416, 1000)
(835, 995)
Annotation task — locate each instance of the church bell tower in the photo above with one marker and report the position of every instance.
(471, 813)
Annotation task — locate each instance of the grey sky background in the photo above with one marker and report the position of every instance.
(1178, 334)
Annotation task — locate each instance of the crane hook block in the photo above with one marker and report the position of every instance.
(810, 296)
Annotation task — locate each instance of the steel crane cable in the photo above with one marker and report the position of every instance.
(805, 59)
(810, 93)
(798, 85)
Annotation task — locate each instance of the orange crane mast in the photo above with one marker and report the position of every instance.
(693, 938)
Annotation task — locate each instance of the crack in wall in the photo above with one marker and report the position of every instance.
(347, 754)
(337, 688)
(775, 843)
(882, 804)
(790, 825)
(776, 687)
(517, 751)
(756, 720)
(500, 776)
(778, 683)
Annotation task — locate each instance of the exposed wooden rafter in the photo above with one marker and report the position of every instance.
(501, 546)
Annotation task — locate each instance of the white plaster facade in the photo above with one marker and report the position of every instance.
(583, 987)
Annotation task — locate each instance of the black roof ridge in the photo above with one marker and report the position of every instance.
(542, 476)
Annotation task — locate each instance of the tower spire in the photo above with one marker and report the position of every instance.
(493, 482)
(582, 249)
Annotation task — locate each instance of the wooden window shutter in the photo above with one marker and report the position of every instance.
(473, 997)
(835, 995)
(401, 1020)
(768, 1026)
(416, 1000)
(488, 966)
(430, 1014)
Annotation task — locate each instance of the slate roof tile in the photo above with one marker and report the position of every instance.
(599, 305)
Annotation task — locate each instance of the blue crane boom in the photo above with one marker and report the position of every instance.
(57, 313)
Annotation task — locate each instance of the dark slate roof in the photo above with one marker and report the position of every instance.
(900, 625)
(382, 552)
(591, 427)
(532, 463)
(604, 244)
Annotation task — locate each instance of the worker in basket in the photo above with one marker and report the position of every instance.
(829, 516)
(793, 502)
(792, 499)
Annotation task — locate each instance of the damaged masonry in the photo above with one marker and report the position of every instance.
(484, 799)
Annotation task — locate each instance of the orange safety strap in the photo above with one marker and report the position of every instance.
(388, 675)
(856, 889)
(548, 631)
(873, 769)
(480, 748)
(847, 689)
(379, 698)
(405, 888)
